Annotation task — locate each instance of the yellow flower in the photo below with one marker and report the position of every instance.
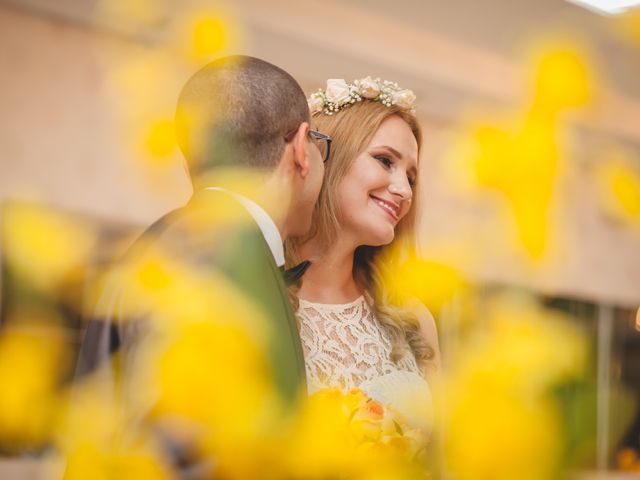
(160, 141)
(319, 443)
(619, 187)
(432, 282)
(229, 414)
(205, 34)
(348, 435)
(130, 463)
(366, 422)
(522, 167)
(193, 381)
(103, 437)
(562, 79)
(520, 160)
(30, 359)
(495, 434)
(498, 393)
(172, 294)
(44, 247)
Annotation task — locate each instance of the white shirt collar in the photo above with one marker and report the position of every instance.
(265, 223)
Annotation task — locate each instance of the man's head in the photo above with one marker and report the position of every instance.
(243, 112)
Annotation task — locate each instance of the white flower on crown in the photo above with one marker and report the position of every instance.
(337, 91)
(316, 102)
(369, 88)
(403, 98)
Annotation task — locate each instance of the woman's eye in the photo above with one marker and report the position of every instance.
(386, 161)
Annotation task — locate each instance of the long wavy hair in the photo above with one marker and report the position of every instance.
(352, 130)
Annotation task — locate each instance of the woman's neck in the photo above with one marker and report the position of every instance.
(329, 279)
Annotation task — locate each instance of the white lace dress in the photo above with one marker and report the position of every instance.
(346, 347)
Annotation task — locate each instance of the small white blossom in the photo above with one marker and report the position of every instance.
(369, 88)
(316, 103)
(403, 98)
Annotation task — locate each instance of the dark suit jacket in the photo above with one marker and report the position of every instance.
(212, 233)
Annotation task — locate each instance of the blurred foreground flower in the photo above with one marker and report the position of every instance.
(213, 386)
(562, 80)
(432, 282)
(618, 184)
(160, 141)
(43, 247)
(206, 33)
(31, 360)
(499, 414)
(522, 161)
(101, 440)
(349, 435)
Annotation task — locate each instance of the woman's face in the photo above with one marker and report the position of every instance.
(377, 190)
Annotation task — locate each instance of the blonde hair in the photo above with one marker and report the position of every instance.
(352, 129)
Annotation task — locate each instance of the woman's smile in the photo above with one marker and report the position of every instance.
(391, 208)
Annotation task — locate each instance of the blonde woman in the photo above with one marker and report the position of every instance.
(353, 335)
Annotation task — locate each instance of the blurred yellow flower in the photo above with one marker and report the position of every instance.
(31, 361)
(45, 247)
(209, 36)
(494, 434)
(161, 139)
(181, 380)
(522, 167)
(432, 282)
(618, 185)
(496, 406)
(193, 382)
(525, 348)
(205, 34)
(521, 161)
(562, 80)
(175, 295)
(102, 439)
(130, 463)
(349, 435)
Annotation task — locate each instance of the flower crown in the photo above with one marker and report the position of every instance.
(340, 94)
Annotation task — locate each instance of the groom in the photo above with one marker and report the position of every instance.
(247, 121)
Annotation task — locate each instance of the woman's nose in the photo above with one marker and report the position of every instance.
(401, 188)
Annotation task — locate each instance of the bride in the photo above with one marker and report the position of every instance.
(353, 334)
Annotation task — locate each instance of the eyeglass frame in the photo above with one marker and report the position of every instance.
(316, 135)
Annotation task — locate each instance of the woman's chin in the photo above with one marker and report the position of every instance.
(380, 239)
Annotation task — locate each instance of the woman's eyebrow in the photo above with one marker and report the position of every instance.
(391, 149)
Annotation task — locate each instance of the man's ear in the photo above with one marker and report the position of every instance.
(300, 145)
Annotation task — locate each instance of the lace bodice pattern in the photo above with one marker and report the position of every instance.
(345, 346)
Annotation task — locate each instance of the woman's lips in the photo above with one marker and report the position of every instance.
(388, 207)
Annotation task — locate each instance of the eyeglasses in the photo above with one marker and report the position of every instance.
(323, 142)
(320, 140)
